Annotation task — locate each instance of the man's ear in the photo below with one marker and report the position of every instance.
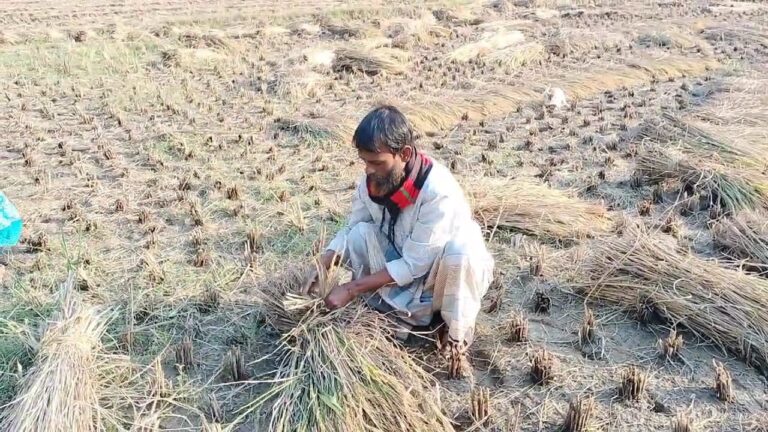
(406, 153)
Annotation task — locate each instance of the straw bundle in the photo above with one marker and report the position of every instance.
(575, 42)
(729, 34)
(744, 237)
(534, 208)
(60, 393)
(641, 269)
(670, 129)
(297, 84)
(519, 55)
(489, 43)
(370, 62)
(340, 371)
(316, 131)
(733, 189)
(666, 37)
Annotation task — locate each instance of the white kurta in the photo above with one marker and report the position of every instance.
(445, 265)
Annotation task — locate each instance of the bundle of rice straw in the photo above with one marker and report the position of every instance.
(578, 41)
(60, 393)
(744, 237)
(534, 208)
(671, 129)
(489, 43)
(317, 131)
(340, 372)
(732, 188)
(371, 62)
(642, 269)
(518, 56)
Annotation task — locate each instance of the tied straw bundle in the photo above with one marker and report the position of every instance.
(534, 208)
(62, 391)
(641, 269)
(340, 371)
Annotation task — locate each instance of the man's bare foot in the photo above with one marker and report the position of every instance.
(455, 354)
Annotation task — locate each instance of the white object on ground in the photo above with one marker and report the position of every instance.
(555, 97)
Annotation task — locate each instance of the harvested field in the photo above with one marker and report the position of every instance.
(175, 162)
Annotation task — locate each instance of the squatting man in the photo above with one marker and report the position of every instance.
(414, 249)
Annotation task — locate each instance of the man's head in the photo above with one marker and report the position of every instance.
(385, 142)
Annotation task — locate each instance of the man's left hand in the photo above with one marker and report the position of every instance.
(339, 296)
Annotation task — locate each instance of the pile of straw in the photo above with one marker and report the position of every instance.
(671, 129)
(641, 268)
(535, 209)
(744, 237)
(519, 55)
(370, 62)
(61, 392)
(339, 371)
(489, 43)
(732, 188)
(576, 42)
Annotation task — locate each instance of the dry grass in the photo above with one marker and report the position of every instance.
(370, 62)
(743, 237)
(719, 304)
(534, 208)
(489, 43)
(62, 391)
(633, 384)
(673, 130)
(577, 42)
(340, 371)
(731, 188)
(580, 412)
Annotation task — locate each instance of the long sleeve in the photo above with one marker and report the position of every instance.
(430, 234)
(359, 213)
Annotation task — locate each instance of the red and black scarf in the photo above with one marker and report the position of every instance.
(416, 172)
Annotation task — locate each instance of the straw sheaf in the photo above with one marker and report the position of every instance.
(370, 61)
(734, 189)
(340, 371)
(61, 392)
(489, 43)
(534, 208)
(643, 268)
(744, 237)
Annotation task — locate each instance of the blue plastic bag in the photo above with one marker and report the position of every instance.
(10, 222)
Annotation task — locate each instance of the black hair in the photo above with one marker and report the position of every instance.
(385, 128)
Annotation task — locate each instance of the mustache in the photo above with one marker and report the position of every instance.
(388, 182)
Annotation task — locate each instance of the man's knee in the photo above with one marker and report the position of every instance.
(360, 233)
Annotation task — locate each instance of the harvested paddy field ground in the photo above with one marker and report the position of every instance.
(175, 161)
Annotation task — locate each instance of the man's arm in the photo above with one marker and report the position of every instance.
(341, 295)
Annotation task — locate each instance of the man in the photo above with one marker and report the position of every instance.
(411, 242)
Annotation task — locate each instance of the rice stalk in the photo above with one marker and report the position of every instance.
(340, 371)
(744, 237)
(489, 43)
(533, 208)
(518, 56)
(671, 129)
(61, 392)
(719, 304)
(732, 188)
(369, 62)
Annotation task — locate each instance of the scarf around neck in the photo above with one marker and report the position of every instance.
(416, 172)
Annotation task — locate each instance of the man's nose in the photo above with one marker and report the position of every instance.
(369, 170)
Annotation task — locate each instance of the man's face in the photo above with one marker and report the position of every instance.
(385, 170)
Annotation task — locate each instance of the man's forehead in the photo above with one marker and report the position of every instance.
(371, 156)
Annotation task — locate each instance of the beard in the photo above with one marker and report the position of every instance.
(387, 183)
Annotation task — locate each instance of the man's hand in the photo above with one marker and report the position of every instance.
(340, 296)
(317, 272)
